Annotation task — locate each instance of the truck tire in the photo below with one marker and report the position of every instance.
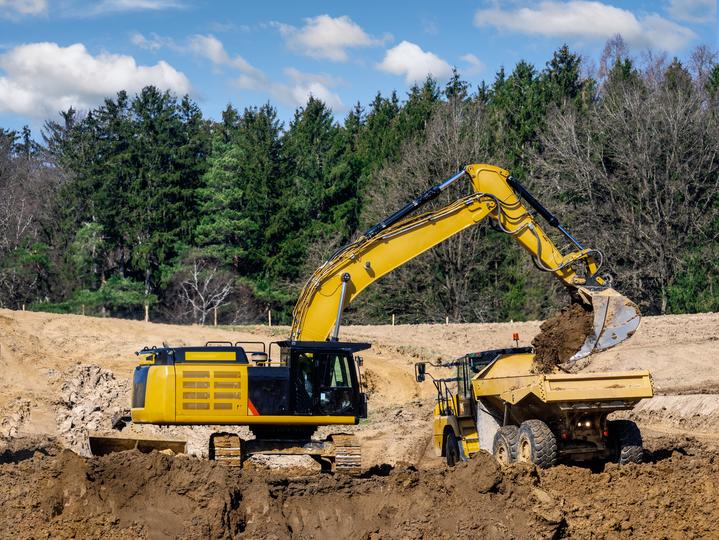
(537, 444)
(451, 449)
(504, 448)
(627, 439)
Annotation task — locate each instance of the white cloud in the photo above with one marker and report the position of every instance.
(211, 48)
(42, 78)
(327, 37)
(474, 64)
(153, 43)
(297, 94)
(585, 19)
(693, 11)
(303, 85)
(13, 8)
(409, 60)
(113, 6)
(322, 78)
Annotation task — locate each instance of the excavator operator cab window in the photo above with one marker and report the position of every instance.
(304, 382)
(335, 392)
(323, 383)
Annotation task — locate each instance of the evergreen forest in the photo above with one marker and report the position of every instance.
(143, 201)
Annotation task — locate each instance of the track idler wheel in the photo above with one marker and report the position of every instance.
(347, 454)
(226, 448)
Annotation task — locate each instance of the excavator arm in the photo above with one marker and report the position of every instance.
(401, 237)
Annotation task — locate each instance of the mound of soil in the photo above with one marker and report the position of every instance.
(675, 498)
(154, 495)
(561, 336)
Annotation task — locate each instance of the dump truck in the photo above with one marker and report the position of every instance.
(495, 402)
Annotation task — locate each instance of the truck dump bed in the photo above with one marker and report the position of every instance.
(510, 380)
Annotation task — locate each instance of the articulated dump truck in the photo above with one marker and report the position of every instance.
(495, 402)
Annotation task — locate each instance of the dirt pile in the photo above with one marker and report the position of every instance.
(675, 498)
(138, 495)
(126, 495)
(154, 495)
(13, 416)
(561, 336)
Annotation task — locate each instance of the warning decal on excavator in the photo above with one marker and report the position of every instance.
(251, 408)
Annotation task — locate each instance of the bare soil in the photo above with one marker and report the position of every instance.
(561, 336)
(157, 496)
(63, 376)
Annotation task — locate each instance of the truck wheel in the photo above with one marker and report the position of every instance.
(505, 444)
(627, 440)
(451, 449)
(537, 444)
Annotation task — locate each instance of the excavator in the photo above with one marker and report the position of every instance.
(313, 378)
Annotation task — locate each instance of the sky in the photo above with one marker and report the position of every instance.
(55, 54)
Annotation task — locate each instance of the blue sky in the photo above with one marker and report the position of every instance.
(58, 53)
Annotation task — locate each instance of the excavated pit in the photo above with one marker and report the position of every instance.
(129, 494)
(561, 336)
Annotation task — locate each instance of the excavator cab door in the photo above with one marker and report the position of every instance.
(324, 380)
(336, 395)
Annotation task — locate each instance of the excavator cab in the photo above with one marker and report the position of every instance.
(324, 378)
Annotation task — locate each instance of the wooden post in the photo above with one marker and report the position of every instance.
(215, 315)
(446, 320)
(147, 313)
(23, 307)
(269, 318)
(83, 310)
(392, 319)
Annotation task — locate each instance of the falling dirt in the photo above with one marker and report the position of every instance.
(561, 336)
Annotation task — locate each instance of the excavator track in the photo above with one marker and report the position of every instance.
(226, 448)
(348, 454)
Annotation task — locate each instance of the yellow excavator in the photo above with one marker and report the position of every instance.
(313, 379)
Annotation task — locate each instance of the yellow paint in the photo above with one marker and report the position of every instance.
(217, 356)
(511, 379)
(214, 394)
(215, 403)
(159, 397)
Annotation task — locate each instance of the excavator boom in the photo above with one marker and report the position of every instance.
(402, 237)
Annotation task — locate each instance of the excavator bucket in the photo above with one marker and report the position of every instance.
(616, 318)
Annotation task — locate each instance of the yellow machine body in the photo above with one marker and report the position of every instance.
(213, 385)
(500, 385)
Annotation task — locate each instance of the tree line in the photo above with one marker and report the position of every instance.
(144, 201)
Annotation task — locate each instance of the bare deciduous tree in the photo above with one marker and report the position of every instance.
(639, 177)
(203, 286)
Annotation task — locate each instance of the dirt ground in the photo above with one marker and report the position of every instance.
(66, 376)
